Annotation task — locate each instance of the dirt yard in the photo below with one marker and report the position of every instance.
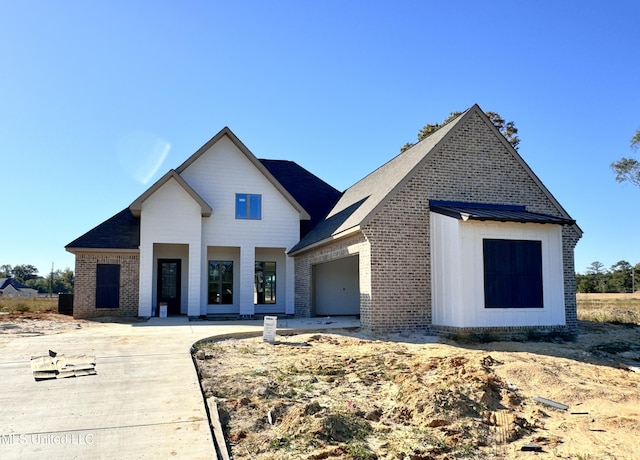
(33, 324)
(346, 396)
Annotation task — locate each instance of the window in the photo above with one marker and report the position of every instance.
(265, 283)
(169, 282)
(248, 206)
(108, 286)
(220, 282)
(512, 274)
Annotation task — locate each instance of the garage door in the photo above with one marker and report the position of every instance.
(335, 286)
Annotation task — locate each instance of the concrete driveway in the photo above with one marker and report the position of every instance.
(144, 402)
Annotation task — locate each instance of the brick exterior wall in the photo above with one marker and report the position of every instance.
(343, 248)
(473, 165)
(84, 299)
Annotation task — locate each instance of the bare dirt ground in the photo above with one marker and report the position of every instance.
(347, 396)
(33, 324)
(343, 395)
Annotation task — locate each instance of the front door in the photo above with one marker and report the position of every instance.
(169, 285)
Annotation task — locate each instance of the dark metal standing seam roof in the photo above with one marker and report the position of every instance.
(494, 212)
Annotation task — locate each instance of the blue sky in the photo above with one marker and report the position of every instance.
(99, 99)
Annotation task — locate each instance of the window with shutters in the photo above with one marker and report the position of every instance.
(512, 273)
(108, 286)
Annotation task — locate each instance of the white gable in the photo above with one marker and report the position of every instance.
(217, 175)
(458, 275)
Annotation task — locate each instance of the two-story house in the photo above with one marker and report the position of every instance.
(456, 232)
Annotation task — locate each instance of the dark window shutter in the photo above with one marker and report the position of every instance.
(108, 286)
(512, 274)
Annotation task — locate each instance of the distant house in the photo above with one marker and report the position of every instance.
(455, 233)
(9, 287)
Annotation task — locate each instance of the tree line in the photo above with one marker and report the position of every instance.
(620, 277)
(58, 281)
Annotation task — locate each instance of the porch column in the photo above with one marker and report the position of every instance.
(290, 280)
(145, 288)
(247, 274)
(194, 303)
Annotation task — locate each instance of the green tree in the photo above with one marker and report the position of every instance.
(627, 168)
(60, 281)
(23, 273)
(64, 280)
(508, 129)
(5, 271)
(586, 283)
(598, 271)
(620, 280)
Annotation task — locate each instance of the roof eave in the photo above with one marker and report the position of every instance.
(111, 250)
(326, 241)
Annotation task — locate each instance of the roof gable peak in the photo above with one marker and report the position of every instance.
(226, 132)
(136, 206)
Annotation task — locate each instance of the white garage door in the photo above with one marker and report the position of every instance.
(335, 286)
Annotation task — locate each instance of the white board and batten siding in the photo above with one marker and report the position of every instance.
(170, 216)
(457, 271)
(217, 175)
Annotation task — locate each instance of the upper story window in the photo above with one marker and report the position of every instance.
(248, 206)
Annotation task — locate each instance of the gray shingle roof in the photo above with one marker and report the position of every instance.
(372, 192)
(361, 200)
(121, 231)
(314, 195)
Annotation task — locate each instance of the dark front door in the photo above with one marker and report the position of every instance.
(169, 285)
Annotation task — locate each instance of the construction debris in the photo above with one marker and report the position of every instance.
(531, 447)
(55, 366)
(633, 367)
(218, 434)
(548, 402)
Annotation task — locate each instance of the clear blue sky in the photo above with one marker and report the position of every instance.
(99, 99)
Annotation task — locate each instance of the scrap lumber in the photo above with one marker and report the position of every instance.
(55, 366)
(550, 403)
(217, 428)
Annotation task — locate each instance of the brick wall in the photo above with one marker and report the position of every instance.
(473, 165)
(85, 284)
(304, 272)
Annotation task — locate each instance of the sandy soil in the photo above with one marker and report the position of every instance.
(33, 324)
(348, 396)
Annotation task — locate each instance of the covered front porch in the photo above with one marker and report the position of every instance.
(217, 280)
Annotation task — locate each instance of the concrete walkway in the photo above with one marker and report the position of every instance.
(144, 402)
